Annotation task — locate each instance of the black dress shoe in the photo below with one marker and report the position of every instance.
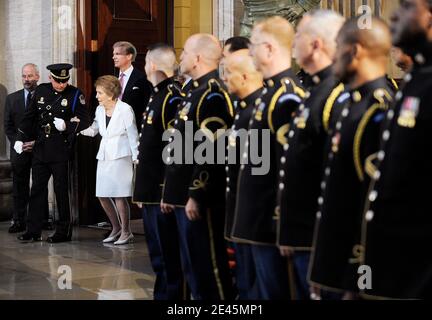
(29, 237)
(57, 237)
(17, 227)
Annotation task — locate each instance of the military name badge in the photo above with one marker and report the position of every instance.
(64, 103)
(259, 113)
(150, 117)
(302, 118)
(409, 111)
(185, 111)
(41, 100)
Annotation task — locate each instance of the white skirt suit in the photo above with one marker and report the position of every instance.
(117, 150)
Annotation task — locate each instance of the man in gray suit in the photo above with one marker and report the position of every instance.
(16, 104)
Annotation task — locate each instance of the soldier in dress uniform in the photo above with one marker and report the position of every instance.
(361, 61)
(246, 83)
(194, 189)
(396, 224)
(300, 177)
(160, 229)
(58, 109)
(255, 217)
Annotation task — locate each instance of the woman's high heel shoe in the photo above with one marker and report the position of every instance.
(129, 239)
(113, 238)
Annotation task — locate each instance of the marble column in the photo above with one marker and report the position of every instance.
(64, 38)
(223, 19)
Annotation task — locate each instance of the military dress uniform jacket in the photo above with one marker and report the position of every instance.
(206, 108)
(255, 216)
(303, 159)
(52, 145)
(158, 117)
(397, 220)
(335, 258)
(244, 108)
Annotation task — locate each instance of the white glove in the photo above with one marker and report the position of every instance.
(60, 124)
(18, 146)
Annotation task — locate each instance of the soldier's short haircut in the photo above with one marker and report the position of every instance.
(325, 24)
(280, 28)
(376, 39)
(237, 43)
(110, 84)
(34, 66)
(164, 56)
(127, 48)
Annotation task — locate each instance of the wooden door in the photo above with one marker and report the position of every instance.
(101, 23)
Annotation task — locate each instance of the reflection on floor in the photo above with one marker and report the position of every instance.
(40, 270)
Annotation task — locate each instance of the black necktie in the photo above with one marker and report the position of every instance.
(27, 102)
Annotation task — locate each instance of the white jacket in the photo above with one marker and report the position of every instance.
(120, 139)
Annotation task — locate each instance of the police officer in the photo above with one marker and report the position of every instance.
(397, 220)
(300, 177)
(194, 188)
(361, 61)
(58, 110)
(255, 216)
(160, 229)
(246, 83)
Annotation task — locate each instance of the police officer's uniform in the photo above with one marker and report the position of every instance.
(52, 150)
(160, 229)
(255, 217)
(207, 107)
(300, 175)
(335, 258)
(397, 220)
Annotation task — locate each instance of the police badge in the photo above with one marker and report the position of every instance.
(64, 103)
(409, 111)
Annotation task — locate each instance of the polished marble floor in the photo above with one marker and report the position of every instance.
(98, 271)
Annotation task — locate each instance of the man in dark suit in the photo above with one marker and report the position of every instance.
(15, 107)
(136, 89)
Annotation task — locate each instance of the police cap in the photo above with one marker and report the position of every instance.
(60, 71)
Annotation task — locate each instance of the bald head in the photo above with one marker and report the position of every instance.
(241, 61)
(207, 47)
(242, 77)
(201, 54)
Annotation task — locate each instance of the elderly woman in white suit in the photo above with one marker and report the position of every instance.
(118, 151)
